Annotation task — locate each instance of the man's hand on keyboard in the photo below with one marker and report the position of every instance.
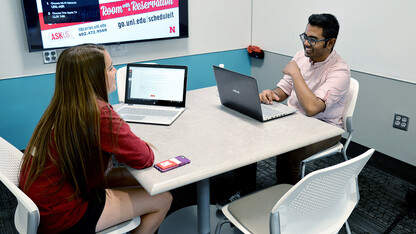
(268, 96)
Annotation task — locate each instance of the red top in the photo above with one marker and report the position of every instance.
(57, 213)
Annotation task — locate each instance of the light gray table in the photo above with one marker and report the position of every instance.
(217, 139)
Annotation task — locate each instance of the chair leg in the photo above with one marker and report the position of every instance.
(302, 168)
(219, 225)
(344, 149)
(344, 153)
(347, 227)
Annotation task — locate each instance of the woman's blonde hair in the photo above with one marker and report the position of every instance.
(70, 126)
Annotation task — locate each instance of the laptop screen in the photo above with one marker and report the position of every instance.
(156, 84)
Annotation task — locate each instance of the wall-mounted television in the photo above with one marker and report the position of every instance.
(56, 24)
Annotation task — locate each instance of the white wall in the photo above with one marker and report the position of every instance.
(214, 25)
(376, 36)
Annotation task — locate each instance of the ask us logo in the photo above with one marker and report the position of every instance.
(60, 35)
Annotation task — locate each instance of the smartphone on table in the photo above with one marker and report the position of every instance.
(172, 163)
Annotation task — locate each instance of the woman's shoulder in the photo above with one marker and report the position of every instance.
(103, 104)
(106, 110)
(104, 107)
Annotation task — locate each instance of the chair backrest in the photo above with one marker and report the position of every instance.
(10, 161)
(350, 103)
(121, 83)
(322, 201)
(27, 216)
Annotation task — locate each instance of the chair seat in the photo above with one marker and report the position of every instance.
(251, 212)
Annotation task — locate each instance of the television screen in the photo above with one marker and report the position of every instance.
(54, 24)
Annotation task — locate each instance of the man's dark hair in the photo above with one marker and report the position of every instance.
(327, 22)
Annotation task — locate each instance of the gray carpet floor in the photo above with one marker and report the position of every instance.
(382, 207)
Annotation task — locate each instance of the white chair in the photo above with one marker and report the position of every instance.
(121, 83)
(347, 123)
(27, 217)
(321, 202)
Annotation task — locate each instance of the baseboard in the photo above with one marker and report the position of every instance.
(385, 162)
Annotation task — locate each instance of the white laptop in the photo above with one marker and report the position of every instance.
(154, 93)
(239, 92)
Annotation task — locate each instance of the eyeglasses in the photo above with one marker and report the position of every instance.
(312, 41)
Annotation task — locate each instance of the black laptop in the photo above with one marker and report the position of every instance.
(239, 92)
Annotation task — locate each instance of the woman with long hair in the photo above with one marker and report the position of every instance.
(67, 165)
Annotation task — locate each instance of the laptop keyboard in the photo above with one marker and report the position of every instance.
(134, 117)
(267, 111)
(147, 112)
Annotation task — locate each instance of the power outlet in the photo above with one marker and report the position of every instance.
(118, 50)
(50, 56)
(401, 122)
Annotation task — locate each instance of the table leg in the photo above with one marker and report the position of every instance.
(201, 218)
(203, 204)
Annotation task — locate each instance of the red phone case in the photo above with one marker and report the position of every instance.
(172, 163)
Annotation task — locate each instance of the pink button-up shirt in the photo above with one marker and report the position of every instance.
(329, 80)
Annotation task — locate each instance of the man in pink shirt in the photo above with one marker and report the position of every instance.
(316, 82)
